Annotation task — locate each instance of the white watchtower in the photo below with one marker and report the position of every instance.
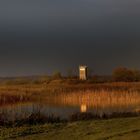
(83, 72)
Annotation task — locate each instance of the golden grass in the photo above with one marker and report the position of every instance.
(100, 99)
(107, 94)
(95, 96)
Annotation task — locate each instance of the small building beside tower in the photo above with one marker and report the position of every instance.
(83, 72)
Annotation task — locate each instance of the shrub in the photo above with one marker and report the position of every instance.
(126, 75)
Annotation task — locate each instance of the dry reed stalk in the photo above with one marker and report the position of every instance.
(102, 98)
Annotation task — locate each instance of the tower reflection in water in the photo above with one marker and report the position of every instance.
(83, 108)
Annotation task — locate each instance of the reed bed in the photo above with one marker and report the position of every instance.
(100, 98)
(13, 97)
(95, 96)
(81, 93)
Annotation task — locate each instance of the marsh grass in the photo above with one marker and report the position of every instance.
(93, 95)
(40, 118)
(107, 93)
(14, 97)
(32, 119)
(100, 98)
(90, 116)
(97, 96)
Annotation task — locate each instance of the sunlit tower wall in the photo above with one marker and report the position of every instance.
(83, 72)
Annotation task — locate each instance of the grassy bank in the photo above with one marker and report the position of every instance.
(121, 128)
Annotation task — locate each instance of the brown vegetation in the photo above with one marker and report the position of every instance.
(30, 92)
(32, 119)
(72, 92)
(127, 75)
(100, 99)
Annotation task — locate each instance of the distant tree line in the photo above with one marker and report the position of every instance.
(125, 74)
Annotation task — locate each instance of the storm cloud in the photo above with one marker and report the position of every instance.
(44, 36)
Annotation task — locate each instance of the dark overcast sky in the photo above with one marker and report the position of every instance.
(44, 36)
